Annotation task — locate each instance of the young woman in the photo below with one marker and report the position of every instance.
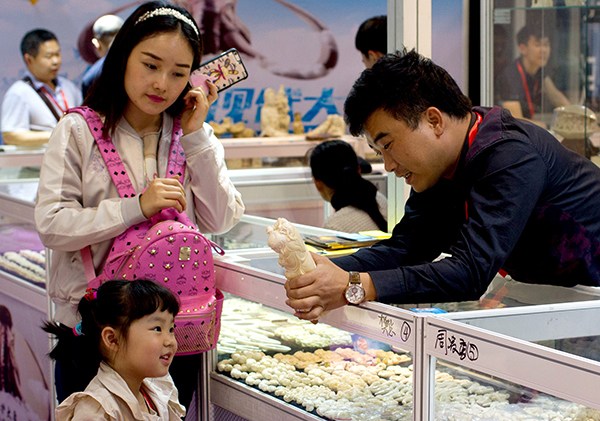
(357, 203)
(143, 87)
(126, 337)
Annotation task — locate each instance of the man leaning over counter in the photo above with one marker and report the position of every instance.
(495, 193)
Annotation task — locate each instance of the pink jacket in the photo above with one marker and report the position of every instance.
(108, 397)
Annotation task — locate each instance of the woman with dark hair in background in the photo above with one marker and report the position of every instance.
(337, 176)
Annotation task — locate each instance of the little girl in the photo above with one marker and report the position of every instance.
(126, 335)
(142, 89)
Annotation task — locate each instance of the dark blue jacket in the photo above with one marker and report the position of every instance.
(90, 76)
(533, 210)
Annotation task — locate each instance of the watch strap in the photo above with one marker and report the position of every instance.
(353, 277)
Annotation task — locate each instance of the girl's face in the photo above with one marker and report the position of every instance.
(157, 72)
(149, 348)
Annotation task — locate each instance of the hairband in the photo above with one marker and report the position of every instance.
(167, 11)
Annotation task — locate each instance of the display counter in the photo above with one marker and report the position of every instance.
(456, 366)
(271, 364)
(277, 184)
(515, 349)
(521, 360)
(284, 151)
(18, 162)
(568, 99)
(289, 192)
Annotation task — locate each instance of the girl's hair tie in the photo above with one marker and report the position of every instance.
(90, 294)
(77, 330)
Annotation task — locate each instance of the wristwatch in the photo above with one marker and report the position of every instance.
(355, 293)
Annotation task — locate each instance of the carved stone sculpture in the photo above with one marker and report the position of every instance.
(297, 125)
(285, 239)
(333, 126)
(275, 113)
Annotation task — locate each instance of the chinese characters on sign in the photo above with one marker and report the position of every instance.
(387, 326)
(456, 345)
(244, 104)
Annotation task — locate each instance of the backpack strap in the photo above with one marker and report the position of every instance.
(88, 266)
(116, 169)
(114, 164)
(44, 98)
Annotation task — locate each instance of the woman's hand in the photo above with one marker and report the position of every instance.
(197, 103)
(162, 193)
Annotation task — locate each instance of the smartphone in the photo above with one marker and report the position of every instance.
(224, 70)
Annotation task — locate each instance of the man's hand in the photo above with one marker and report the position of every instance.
(317, 291)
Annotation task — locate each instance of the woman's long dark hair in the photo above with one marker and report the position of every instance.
(107, 95)
(335, 163)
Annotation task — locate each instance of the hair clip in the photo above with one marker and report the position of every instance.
(90, 294)
(77, 330)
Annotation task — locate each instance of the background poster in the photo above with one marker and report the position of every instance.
(25, 380)
(285, 33)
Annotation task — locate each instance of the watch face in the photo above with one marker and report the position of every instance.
(355, 294)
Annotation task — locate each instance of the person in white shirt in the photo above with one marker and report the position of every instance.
(33, 105)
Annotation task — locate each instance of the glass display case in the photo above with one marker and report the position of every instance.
(273, 176)
(513, 364)
(543, 57)
(283, 151)
(289, 192)
(501, 356)
(355, 363)
(19, 162)
(270, 173)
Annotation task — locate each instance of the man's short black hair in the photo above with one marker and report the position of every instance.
(403, 84)
(372, 35)
(30, 44)
(530, 31)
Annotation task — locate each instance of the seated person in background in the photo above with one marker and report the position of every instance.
(337, 176)
(32, 106)
(525, 88)
(105, 28)
(371, 39)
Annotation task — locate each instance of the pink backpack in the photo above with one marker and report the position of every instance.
(167, 248)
